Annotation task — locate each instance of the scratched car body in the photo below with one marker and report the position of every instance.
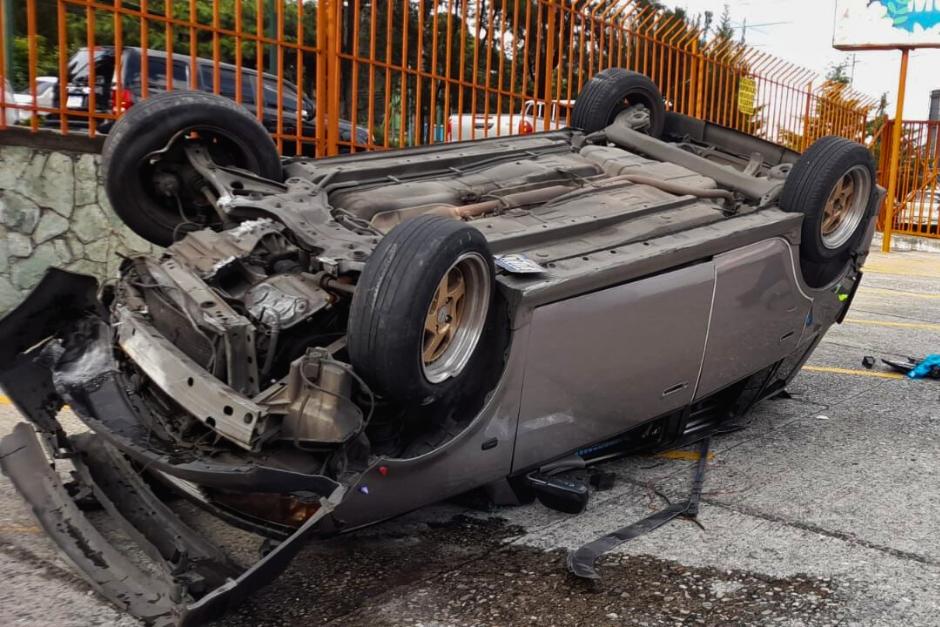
(325, 344)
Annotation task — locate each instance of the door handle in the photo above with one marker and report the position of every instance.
(675, 388)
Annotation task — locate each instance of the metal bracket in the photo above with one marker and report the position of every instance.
(209, 400)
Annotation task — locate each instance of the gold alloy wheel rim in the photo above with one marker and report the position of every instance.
(455, 317)
(845, 207)
(841, 197)
(444, 315)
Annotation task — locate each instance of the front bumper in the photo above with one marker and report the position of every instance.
(57, 349)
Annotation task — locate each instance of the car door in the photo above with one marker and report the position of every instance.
(601, 363)
(758, 316)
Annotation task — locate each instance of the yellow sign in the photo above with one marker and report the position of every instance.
(747, 94)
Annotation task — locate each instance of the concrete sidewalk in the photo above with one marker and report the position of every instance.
(825, 510)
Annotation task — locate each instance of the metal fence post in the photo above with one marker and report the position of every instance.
(327, 131)
(333, 8)
(549, 64)
(807, 117)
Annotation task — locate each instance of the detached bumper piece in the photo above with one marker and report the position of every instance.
(193, 582)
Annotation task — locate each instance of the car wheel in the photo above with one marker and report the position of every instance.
(612, 91)
(833, 186)
(147, 176)
(420, 308)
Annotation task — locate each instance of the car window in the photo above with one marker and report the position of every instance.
(289, 97)
(78, 66)
(156, 74)
(227, 83)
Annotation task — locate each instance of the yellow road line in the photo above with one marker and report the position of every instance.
(4, 400)
(689, 456)
(888, 292)
(19, 529)
(929, 326)
(858, 373)
(919, 265)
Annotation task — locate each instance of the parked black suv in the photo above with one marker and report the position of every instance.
(158, 78)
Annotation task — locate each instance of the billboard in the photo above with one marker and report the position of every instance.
(886, 24)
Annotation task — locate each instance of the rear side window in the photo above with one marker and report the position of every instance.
(157, 78)
(78, 66)
(227, 83)
(289, 95)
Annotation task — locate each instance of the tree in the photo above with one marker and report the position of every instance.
(877, 123)
(47, 64)
(838, 73)
(725, 30)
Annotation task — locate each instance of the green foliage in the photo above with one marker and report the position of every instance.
(838, 73)
(47, 62)
(725, 30)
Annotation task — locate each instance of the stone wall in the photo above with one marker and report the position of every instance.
(54, 212)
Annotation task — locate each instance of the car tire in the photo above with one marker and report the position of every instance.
(611, 91)
(833, 186)
(410, 335)
(148, 127)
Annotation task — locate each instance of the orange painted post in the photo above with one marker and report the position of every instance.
(33, 59)
(259, 58)
(354, 88)
(238, 50)
(807, 131)
(144, 45)
(488, 67)
(116, 94)
(895, 153)
(279, 68)
(332, 115)
(169, 34)
(299, 120)
(63, 64)
(90, 39)
(3, 66)
(322, 38)
(549, 68)
(700, 87)
(193, 52)
(216, 48)
(403, 104)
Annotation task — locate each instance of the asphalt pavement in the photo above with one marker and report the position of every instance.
(824, 510)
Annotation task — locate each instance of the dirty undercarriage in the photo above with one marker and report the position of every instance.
(265, 365)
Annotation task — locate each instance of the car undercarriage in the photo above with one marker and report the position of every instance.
(367, 334)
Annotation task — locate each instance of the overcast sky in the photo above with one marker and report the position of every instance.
(800, 31)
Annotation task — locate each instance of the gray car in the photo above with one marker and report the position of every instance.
(325, 344)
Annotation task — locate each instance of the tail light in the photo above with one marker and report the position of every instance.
(125, 97)
(449, 133)
(525, 128)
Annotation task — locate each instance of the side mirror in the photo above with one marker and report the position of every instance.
(564, 495)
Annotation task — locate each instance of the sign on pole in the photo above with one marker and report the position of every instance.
(886, 24)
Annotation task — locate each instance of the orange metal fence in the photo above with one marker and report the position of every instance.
(917, 199)
(344, 75)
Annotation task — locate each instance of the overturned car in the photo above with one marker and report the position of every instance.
(325, 344)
